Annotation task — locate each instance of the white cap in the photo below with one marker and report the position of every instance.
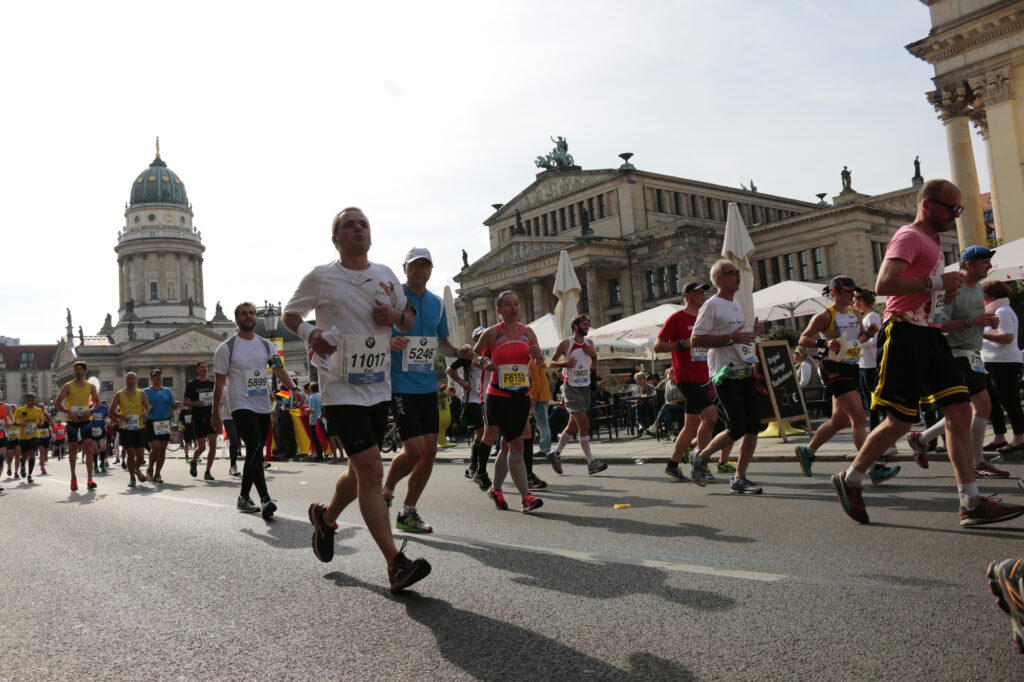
(478, 331)
(416, 253)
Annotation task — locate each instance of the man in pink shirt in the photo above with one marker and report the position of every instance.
(915, 362)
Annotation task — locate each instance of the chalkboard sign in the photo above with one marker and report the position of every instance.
(787, 400)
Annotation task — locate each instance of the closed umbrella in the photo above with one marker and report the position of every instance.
(738, 247)
(454, 328)
(567, 291)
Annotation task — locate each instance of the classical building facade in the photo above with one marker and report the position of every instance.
(25, 369)
(636, 237)
(977, 50)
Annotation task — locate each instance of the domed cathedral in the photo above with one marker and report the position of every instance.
(159, 253)
(161, 313)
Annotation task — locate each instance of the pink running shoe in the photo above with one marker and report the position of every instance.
(986, 470)
(498, 497)
(919, 448)
(530, 503)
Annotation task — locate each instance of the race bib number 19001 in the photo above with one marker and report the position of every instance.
(365, 359)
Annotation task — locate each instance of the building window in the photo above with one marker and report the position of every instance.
(572, 215)
(169, 382)
(673, 279)
(663, 284)
(106, 385)
(790, 271)
(762, 270)
(877, 255)
(804, 274)
(614, 292)
(584, 300)
(154, 291)
(659, 201)
(678, 200)
(819, 267)
(600, 206)
(616, 317)
(590, 208)
(561, 216)
(776, 274)
(711, 208)
(545, 223)
(554, 222)
(651, 281)
(693, 206)
(536, 225)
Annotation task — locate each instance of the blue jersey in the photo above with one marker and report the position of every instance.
(99, 415)
(160, 403)
(430, 324)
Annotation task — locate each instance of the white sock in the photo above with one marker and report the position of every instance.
(933, 431)
(967, 493)
(585, 445)
(387, 490)
(406, 508)
(563, 440)
(854, 478)
(978, 438)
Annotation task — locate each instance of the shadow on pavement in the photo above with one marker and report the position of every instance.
(587, 579)
(516, 652)
(283, 533)
(630, 527)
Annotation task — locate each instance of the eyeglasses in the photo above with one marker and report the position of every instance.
(731, 272)
(955, 209)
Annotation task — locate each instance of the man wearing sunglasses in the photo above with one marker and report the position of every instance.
(916, 363)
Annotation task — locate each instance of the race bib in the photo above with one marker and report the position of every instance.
(28, 430)
(80, 413)
(974, 357)
(188, 419)
(256, 384)
(133, 423)
(513, 377)
(418, 355)
(579, 376)
(938, 301)
(206, 397)
(162, 427)
(44, 433)
(853, 352)
(365, 359)
(746, 352)
(698, 354)
(96, 430)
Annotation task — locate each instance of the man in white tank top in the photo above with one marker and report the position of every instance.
(580, 360)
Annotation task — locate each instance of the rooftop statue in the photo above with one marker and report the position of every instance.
(559, 157)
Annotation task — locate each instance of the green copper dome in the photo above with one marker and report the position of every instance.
(158, 184)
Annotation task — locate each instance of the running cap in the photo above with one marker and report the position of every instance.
(843, 282)
(478, 331)
(694, 286)
(30, 393)
(156, 370)
(415, 253)
(976, 252)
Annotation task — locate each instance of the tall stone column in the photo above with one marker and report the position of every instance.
(1003, 153)
(537, 294)
(953, 103)
(626, 287)
(596, 311)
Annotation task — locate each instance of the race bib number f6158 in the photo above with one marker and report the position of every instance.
(418, 355)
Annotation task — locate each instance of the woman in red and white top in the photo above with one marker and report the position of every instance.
(506, 349)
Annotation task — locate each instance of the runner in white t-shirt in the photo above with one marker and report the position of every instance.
(356, 304)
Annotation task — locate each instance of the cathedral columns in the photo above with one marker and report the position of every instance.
(953, 104)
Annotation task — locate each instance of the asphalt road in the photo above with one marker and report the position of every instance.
(170, 582)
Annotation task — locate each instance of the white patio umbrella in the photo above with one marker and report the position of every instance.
(454, 328)
(546, 329)
(567, 291)
(1007, 264)
(737, 247)
(789, 299)
(641, 328)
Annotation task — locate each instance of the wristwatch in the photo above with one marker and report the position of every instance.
(968, 323)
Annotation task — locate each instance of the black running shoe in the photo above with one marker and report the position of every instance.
(323, 535)
(536, 483)
(267, 508)
(483, 481)
(192, 468)
(404, 572)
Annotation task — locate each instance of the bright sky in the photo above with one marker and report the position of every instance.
(277, 115)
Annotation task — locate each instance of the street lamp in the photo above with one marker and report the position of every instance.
(271, 315)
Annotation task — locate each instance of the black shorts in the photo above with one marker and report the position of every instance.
(416, 414)
(201, 427)
(28, 444)
(332, 428)
(44, 442)
(134, 438)
(975, 381)
(151, 434)
(839, 377)
(915, 366)
(186, 432)
(739, 402)
(697, 396)
(472, 416)
(361, 427)
(11, 443)
(79, 431)
(508, 414)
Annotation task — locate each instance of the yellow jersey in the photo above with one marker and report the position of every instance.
(30, 418)
(130, 406)
(77, 402)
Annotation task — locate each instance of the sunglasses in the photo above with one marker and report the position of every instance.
(731, 272)
(955, 209)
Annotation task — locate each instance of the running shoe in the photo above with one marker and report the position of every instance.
(158, 479)
(919, 448)
(676, 473)
(42, 470)
(74, 483)
(193, 468)
(149, 472)
(17, 474)
(708, 476)
(850, 497)
(989, 510)
(23, 470)
(990, 447)
(556, 462)
(266, 464)
(744, 486)
(8, 472)
(124, 465)
(131, 483)
(882, 473)
(29, 478)
(686, 455)
(246, 505)
(986, 470)
(483, 481)
(726, 468)
(469, 473)
(103, 466)
(530, 503)
(698, 471)
(208, 477)
(498, 497)
(1004, 579)
(234, 471)
(91, 485)
(388, 498)
(412, 523)
(323, 535)
(404, 572)
(267, 508)
(536, 483)
(806, 458)
(596, 467)
(138, 475)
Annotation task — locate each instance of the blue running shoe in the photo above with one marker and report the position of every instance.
(698, 470)
(676, 473)
(806, 458)
(882, 473)
(744, 486)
